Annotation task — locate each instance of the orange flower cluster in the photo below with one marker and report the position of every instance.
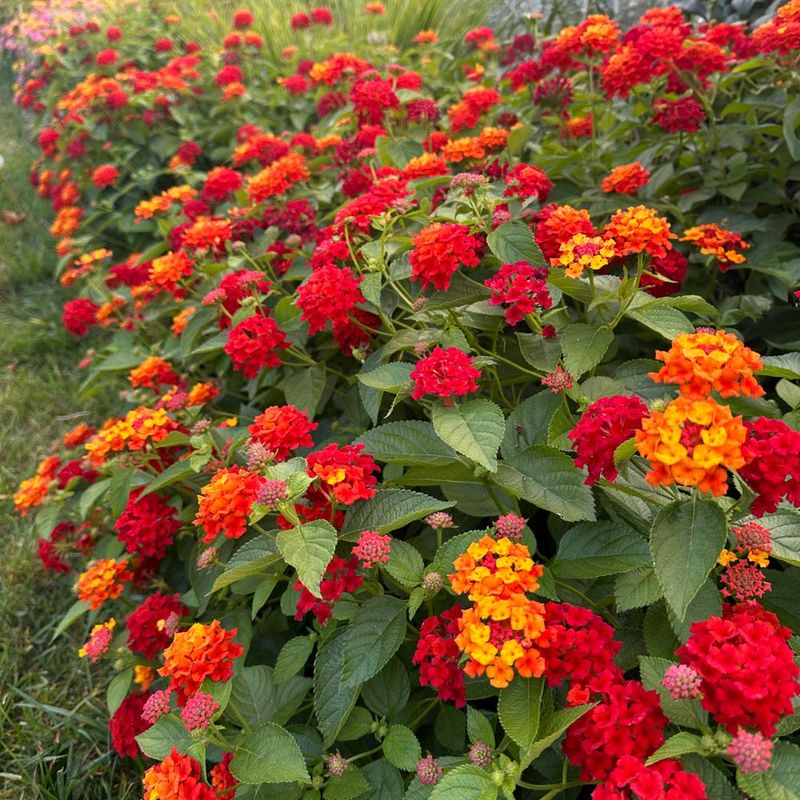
(102, 580)
(692, 442)
(181, 319)
(712, 240)
(625, 179)
(147, 209)
(151, 373)
(32, 491)
(424, 166)
(140, 427)
(66, 221)
(77, 435)
(582, 252)
(226, 501)
(208, 233)
(202, 651)
(167, 271)
(499, 631)
(82, 265)
(177, 777)
(278, 177)
(201, 393)
(708, 361)
(475, 147)
(639, 230)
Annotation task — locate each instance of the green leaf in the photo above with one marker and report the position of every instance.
(636, 589)
(781, 781)
(519, 707)
(538, 351)
(262, 593)
(784, 525)
(268, 754)
(303, 388)
(528, 424)
(718, 787)
(401, 748)
(292, 658)
(388, 692)
(479, 729)
(474, 429)
(584, 346)
(348, 786)
(388, 377)
(465, 783)
(118, 491)
(252, 558)
(179, 471)
(373, 636)
(676, 746)
(118, 689)
(512, 242)
(552, 727)
(309, 549)
(685, 713)
(669, 322)
(385, 780)
(412, 443)
(791, 116)
(159, 739)
(548, 479)
(785, 366)
(332, 702)
(602, 548)
(252, 695)
(405, 564)
(452, 549)
(686, 539)
(388, 510)
(75, 611)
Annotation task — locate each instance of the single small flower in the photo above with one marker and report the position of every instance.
(480, 755)
(198, 711)
(373, 548)
(558, 380)
(428, 770)
(99, 641)
(439, 519)
(744, 581)
(337, 765)
(682, 682)
(510, 525)
(751, 752)
(752, 537)
(156, 706)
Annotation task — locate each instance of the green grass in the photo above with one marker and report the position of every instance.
(53, 738)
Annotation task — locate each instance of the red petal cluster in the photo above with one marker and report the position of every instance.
(447, 372)
(437, 655)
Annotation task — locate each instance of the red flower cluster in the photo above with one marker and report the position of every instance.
(340, 576)
(147, 525)
(104, 175)
(685, 114)
(632, 780)
(253, 345)
(226, 501)
(625, 179)
(557, 224)
(347, 472)
(437, 655)
(234, 288)
(329, 295)
(773, 469)
(282, 429)
(447, 373)
(147, 632)
(220, 183)
(747, 667)
(602, 428)
(439, 250)
(526, 180)
(126, 724)
(627, 721)
(521, 288)
(668, 273)
(79, 315)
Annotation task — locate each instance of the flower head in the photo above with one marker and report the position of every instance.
(102, 580)
(751, 752)
(625, 179)
(156, 705)
(581, 252)
(99, 641)
(253, 345)
(437, 655)
(639, 230)
(344, 471)
(438, 251)
(712, 240)
(682, 682)
(226, 502)
(521, 289)
(283, 429)
(372, 548)
(446, 373)
(145, 635)
(198, 711)
(177, 777)
(428, 771)
(773, 469)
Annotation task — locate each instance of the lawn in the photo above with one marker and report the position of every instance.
(53, 739)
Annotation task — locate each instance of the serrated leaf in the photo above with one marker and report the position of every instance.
(401, 748)
(584, 346)
(159, 739)
(686, 540)
(303, 388)
(465, 783)
(676, 746)
(349, 786)
(388, 377)
(479, 729)
(474, 429)
(388, 692)
(309, 549)
(373, 636)
(385, 780)
(252, 693)
(268, 754)
(552, 727)
(602, 548)
(252, 558)
(512, 242)
(780, 782)
(405, 564)
(547, 479)
(332, 702)
(412, 443)
(262, 593)
(636, 589)
(388, 510)
(292, 658)
(783, 366)
(669, 322)
(519, 707)
(685, 713)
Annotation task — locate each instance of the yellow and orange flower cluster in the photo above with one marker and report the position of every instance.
(167, 271)
(499, 631)
(102, 580)
(639, 230)
(147, 209)
(139, 427)
(32, 491)
(582, 252)
(475, 147)
(710, 361)
(692, 443)
(278, 177)
(712, 240)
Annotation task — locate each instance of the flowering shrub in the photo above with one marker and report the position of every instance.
(443, 466)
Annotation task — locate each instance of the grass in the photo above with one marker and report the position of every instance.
(53, 738)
